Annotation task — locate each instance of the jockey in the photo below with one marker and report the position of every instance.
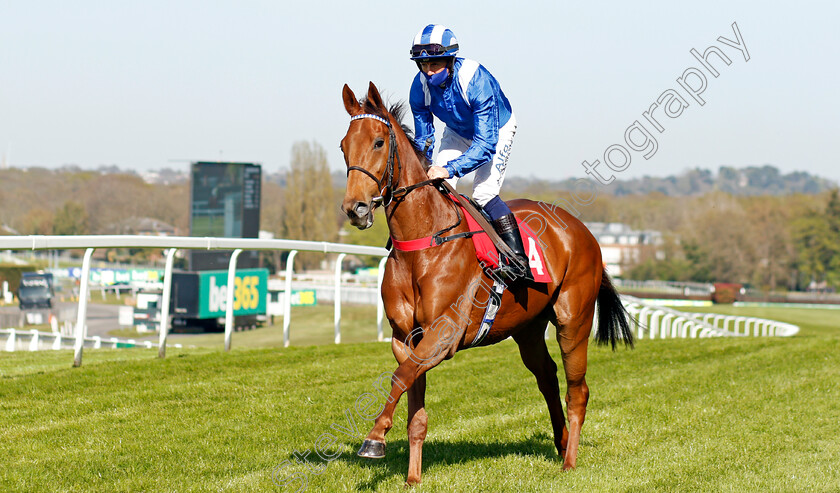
(479, 128)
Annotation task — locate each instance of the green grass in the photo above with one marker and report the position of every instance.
(813, 321)
(310, 325)
(133, 333)
(110, 298)
(740, 414)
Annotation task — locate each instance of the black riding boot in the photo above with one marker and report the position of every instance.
(508, 230)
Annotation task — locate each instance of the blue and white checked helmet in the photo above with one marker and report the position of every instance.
(434, 41)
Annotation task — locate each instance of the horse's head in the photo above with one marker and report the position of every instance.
(369, 148)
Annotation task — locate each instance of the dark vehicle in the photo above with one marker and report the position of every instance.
(36, 291)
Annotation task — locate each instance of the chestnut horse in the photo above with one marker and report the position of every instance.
(431, 295)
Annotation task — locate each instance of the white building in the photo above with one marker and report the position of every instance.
(622, 247)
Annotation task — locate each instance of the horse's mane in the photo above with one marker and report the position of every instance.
(397, 111)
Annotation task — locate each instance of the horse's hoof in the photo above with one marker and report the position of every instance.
(372, 449)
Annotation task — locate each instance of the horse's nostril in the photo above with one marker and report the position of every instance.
(361, 208)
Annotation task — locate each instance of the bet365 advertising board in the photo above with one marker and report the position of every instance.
(249, 295)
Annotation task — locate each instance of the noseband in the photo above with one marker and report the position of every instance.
(385, 187)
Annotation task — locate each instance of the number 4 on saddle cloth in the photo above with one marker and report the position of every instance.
(485, 250)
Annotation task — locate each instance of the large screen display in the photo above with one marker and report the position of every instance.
(225, 200)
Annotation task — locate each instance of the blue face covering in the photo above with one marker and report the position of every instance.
(439, 78)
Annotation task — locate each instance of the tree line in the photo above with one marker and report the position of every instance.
(70, 201)
(749, 180)
(772, 241)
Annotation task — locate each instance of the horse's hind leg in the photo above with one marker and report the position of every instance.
(577, 395)
(535, 355)
(574, 323)
(573, 337)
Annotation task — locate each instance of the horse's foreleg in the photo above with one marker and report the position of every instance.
(413, 364)
(417, 426)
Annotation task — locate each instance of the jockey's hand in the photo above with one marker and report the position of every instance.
(437, 172)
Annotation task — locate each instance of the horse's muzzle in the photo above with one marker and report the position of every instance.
(360, 214)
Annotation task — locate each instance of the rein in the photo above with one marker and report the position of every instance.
(387, 190)
(435, 239)
(393, 156)
(387, 193)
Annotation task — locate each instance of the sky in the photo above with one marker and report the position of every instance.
(160, 83)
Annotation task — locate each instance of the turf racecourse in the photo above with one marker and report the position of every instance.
(746, 414)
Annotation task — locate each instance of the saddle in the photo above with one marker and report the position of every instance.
(487, 251)
(486, 241)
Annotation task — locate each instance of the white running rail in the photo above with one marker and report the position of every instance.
(35, 340)
(173, 243)
(651, 321)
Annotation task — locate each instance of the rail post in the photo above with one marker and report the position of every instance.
(677, 327)
(81, 317)
(640, 322)
(380, 304)
(10, 341)
(633, 311)
(230, 288)
(34, 343)
(56, 345)
(664, 328)
(164, 307)
(654, 323)
(337, 306)
(287, 310)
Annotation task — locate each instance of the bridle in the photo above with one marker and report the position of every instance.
(385, 187)
(387, 193)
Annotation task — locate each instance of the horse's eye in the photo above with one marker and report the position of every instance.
(378, 143)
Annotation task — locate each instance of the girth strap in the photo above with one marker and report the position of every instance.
(428, 241)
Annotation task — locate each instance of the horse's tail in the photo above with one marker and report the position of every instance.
(612, 316)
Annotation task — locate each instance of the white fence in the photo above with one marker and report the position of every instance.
(34, 340)
(173, 244)
(658, 322)
(649, 322)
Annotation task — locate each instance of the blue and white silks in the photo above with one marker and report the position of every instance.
(471, 104)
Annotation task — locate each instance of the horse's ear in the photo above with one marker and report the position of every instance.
(351, 104)
(374, 98)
